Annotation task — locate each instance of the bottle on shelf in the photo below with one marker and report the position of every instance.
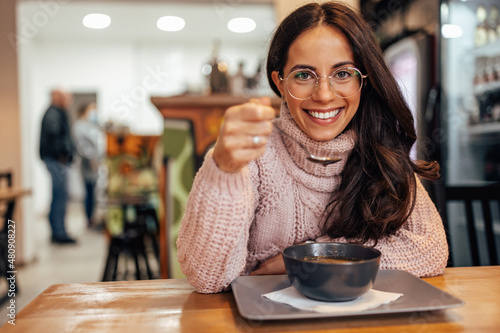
(492, 24)
(218, 77)
(481, 34)
(480, 78)
(239, 80)
(496, 67)
(490, 74)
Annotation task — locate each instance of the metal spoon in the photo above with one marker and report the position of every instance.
(316, 159)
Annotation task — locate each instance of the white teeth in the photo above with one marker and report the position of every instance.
(324, 115)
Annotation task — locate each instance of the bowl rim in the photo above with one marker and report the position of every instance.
(376, 258)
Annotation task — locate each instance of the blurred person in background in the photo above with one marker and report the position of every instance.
(90, 145)
(56, 151)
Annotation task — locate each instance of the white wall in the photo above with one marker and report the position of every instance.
(11, 130)
(285, 7)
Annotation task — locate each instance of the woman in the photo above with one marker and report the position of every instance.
(257, 193)
(90, 143)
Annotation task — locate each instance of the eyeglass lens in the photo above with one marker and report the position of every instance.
(344, 82)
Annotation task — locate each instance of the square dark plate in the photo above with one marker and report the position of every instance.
(418, 295)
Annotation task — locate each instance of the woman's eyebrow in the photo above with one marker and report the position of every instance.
(302, 67)
(339, 64)
(343, 63)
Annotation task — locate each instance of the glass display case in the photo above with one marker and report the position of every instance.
(470, 96)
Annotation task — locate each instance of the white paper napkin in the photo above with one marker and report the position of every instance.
(370, 300)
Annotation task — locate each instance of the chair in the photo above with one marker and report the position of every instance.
(468, 195)
(131, 243)
(132, 222)
(8, 209)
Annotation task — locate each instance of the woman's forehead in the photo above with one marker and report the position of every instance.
(321, 47)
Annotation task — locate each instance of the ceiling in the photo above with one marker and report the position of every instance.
(206, 20)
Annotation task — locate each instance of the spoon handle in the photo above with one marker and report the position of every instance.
(291, 137)
(322, 160)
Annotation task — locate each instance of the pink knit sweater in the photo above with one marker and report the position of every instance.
(235, 221)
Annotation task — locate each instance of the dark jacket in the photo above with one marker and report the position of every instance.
(55, 137)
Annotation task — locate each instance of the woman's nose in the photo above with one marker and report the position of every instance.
(324, 92)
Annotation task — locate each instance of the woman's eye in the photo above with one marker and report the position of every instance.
(302, 76)
(343, 74)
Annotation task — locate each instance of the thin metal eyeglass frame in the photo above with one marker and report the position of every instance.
(330, 77)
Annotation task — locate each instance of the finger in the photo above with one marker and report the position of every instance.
(258, 111)
(258, 141)
(251, 112)
(262, 100)
(235, 160)
(246, 128)
(235, 142)
(245, 155)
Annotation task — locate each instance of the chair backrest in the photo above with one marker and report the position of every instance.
(6, 177)
(467, 195)
(6, 208)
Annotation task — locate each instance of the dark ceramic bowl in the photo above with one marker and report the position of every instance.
(332, 281)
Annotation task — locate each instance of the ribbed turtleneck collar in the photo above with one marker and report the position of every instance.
(341, 146)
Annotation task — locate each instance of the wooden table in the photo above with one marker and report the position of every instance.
(8, 198)
(9, 195)
(174, 306)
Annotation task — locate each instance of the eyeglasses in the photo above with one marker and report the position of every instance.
(344, 82)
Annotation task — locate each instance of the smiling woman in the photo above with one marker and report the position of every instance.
(251, 199)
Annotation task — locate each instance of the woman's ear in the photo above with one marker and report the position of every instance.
(278, 82)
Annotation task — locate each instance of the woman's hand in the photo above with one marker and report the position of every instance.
(236, 145)
(272, 266)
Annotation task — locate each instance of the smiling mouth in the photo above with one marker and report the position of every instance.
(324, 115)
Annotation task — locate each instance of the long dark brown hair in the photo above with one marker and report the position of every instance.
(378, 188)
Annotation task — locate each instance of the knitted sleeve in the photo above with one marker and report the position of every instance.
(420, 246)
(212, 242)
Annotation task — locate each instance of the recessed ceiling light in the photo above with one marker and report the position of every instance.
(170, 23)
(96, 21)
(241, 25)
